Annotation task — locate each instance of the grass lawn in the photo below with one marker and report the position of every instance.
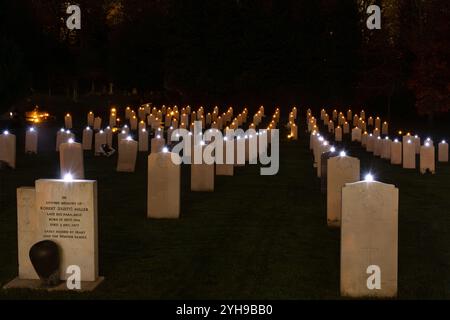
(254, 237)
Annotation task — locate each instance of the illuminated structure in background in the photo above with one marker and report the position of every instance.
(36, 116)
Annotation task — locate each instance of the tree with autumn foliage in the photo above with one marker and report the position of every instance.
(430, 48)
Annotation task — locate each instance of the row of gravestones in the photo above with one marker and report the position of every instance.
(367, 214)
(64, 212)
(398, 152)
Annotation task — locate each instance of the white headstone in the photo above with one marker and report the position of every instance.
(346, 128)
(97, 123)
(338, 134)
(8, 148)
(378, 146)
(356, 134)
(143, 140)
(90, 119)
(157, 144)
(63, 136)
(369, 240)
(109, 136)
(87, 138)
(163, 193)
(68, 121)
(370, 145)
(26, 230)
(128, 150)
(340, 170)
(409, 155)
(100, 138)
(364, 139)
(202, 176)
(31, 141)
(427, 158)
(385, 128)
(134, 123)
(396, 152)
(66, 213)
(417, 144)
(225, 169)
(112, 120)
(71, 160)
(386, 148)
(443, 152)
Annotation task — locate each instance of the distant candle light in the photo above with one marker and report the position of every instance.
(368, 177)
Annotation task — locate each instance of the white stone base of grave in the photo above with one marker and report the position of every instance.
(17, 283)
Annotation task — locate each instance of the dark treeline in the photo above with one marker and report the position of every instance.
(211, 51)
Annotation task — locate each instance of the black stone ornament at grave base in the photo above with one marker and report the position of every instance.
(44, 256)
(323, 169)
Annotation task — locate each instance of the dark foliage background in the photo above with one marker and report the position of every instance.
(211, 51)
